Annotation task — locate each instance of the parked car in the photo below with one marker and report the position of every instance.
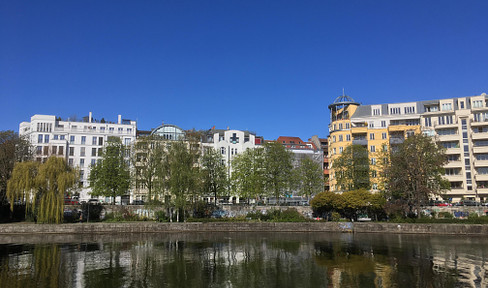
(443, 204)
(93, 201)
(138, 202)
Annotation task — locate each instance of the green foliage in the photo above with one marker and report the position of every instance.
(276, 215)
(123, 215)
(160, 216)
(248, 176)
(352, 168)
(149, 160)
(42, 187)
(214, 174)
(111, 176)
(182, 174)
(349, 204)
(12, 149)
(278, 169)
(309, 177)
(445, 215)
(415, 171)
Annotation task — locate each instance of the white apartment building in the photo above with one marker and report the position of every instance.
(80, 142)
(231, 143)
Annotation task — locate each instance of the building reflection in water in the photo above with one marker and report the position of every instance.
(245, 260)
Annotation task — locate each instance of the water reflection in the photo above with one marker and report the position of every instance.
(243, 260)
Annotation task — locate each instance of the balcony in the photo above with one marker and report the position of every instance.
(396, 140)
(453, 150)
(480, 149)
(477, 136)
(452, 137)
(481, 163)
(456, 191)
(481, 177)
(363, 142)
(455, 178)
(454, 164)
(363, 129)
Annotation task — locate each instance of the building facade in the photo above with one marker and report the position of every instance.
(79, 142)
(460, 124)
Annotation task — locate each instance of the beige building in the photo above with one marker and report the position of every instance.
(460, 124)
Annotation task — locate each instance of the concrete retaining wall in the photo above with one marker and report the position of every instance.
(151, 227)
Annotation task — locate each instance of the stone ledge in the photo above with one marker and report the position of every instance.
(152, 227)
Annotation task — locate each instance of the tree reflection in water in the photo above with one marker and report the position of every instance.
(246, 260)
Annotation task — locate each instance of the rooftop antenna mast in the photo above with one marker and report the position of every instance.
(343, 94)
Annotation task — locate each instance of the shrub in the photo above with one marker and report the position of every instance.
(335, 216)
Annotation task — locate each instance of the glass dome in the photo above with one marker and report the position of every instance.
(169, 132)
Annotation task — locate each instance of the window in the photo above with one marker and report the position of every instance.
(82, 151)
(93, 162)
(373, 161)
(61, 137)
(375, 186)
(383, 123)
(100, 141)
(446, 106)
(222, 150)
(341, 149)
(120, 130)
(126, 141)
(100, 151)
(451, 144)
(45, 150)
(371, 136)
(372, 148)
(340, 126)
(373, 173)
(234, 139)
(461, 103)
(340, 138)
(385, 148)
(54, 150)
(383, 135)
(371, 124)
(61, 150)
(55, 137)
(83, 140)
(110, 129)
(409, 110)
(39, 138)
(71, 151)
(334, 150)
(72, 139)
(428, 122)
(94, 152)
(395, 110)
(348, 137)
(82, 162)
(376, 111)
(70, 162)
(39, 150)
(102, 129)
(477, 104)
(347, 126)
(129, 130)
(94, 140)
(333, 138)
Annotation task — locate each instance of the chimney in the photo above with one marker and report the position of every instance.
(119, 121)
(90, 117)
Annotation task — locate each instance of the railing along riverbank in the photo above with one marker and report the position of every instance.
(208, 227)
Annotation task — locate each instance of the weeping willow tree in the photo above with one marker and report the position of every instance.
(42, 188)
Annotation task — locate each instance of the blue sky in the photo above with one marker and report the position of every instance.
(266, 66)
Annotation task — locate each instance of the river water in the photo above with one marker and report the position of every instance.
(243, 260)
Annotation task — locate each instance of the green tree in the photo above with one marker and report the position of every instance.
(149, 158)
(182, 174)
(111, 176)
(310, 177)
(214, 174)
(42, 187)
(12, 149)
(324, 203)
(415, 171)
(248, 173)
(352, 168)
(278, 169)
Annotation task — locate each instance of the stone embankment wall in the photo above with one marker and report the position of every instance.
(315, 227)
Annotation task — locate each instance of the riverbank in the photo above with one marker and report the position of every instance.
(153, 227)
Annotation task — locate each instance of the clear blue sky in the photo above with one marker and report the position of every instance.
(266, 66)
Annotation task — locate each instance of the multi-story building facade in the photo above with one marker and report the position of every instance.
(301, 149)
(80, 142)
(323, 144)
(460, 124)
